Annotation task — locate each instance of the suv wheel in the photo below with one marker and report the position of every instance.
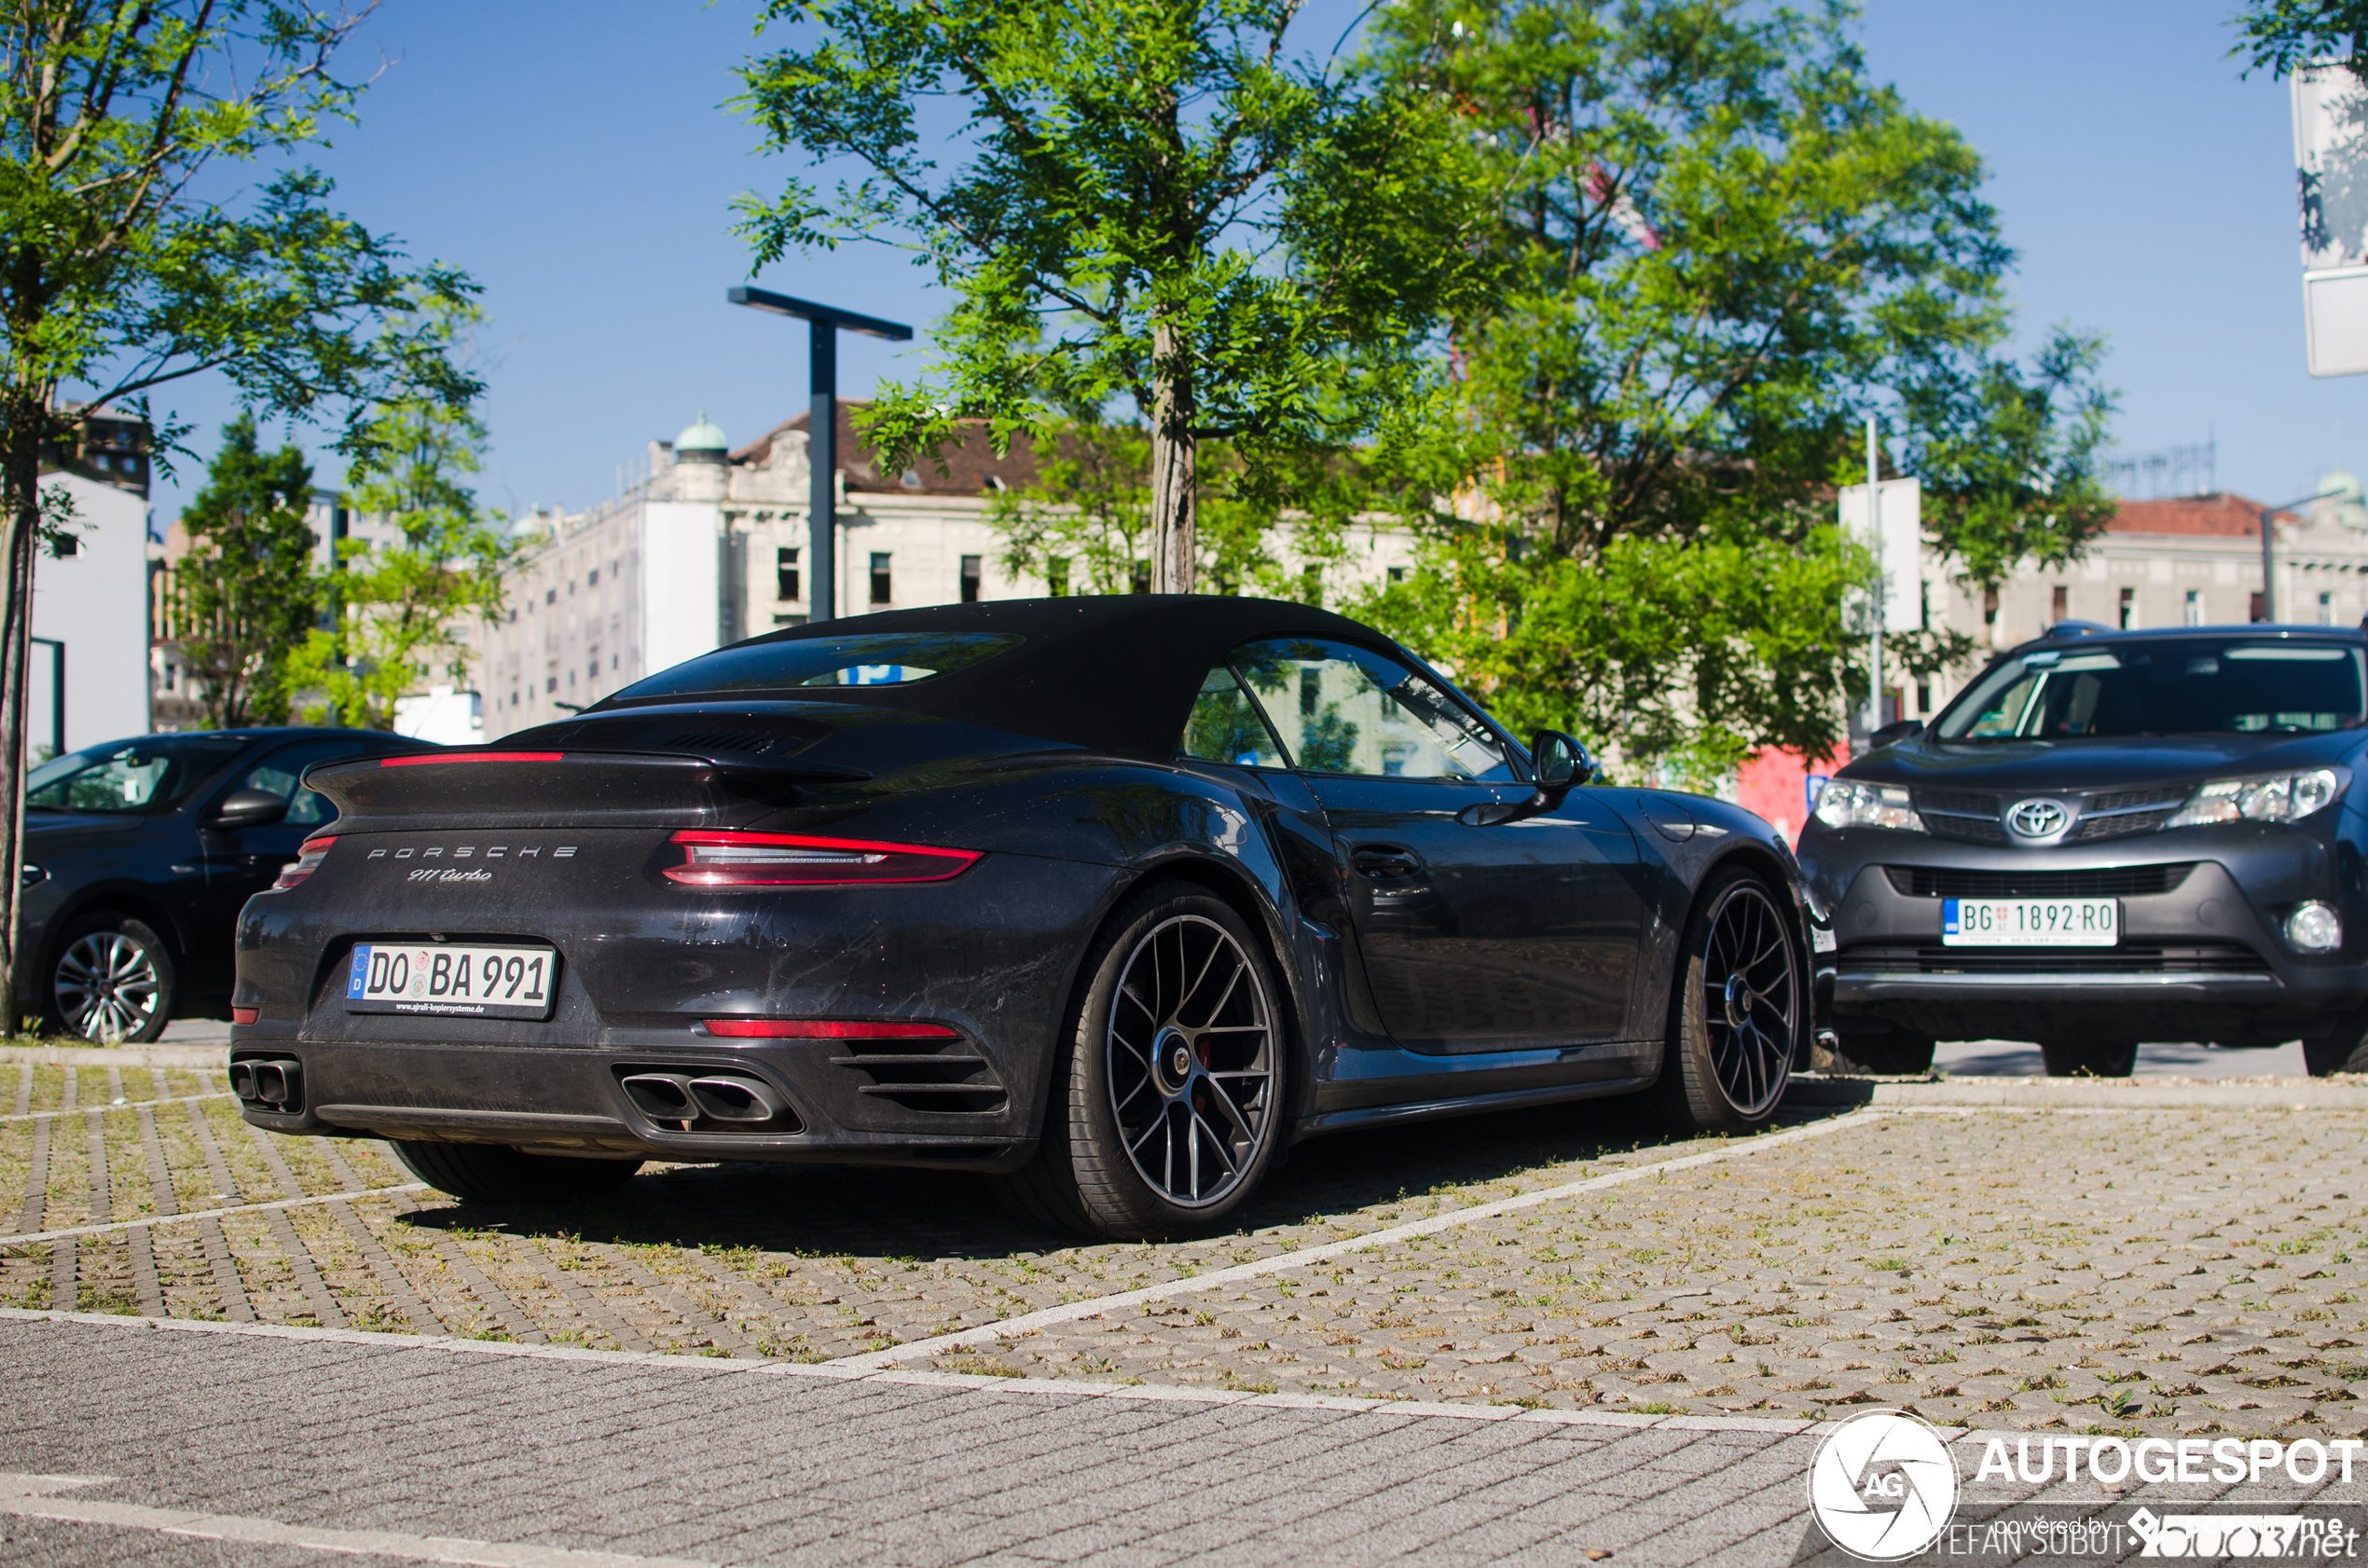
(112, 980)
(1897, 1054)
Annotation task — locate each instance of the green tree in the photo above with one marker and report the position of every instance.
(2277, 35)
(398, 612)
(1717, 247)
(1164, 205)
(243, 598)
(123, 270)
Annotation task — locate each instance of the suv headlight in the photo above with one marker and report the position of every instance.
(1845, 802)
(2269, 797)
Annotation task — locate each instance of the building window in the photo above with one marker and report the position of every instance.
(785, 579)
(1398, 574)
(592, 579)
(880, 581)
(2060, 604)
(2326, 610)
(594, 673)
(513, 699)
(2255, 609)
(973, 573)
(550, 682)
(2129, 608)
(2194, 608)
(550, 596)
(1057, 575)
(1923, 697)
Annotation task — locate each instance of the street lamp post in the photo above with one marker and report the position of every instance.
(2340, 488)
(824, 322)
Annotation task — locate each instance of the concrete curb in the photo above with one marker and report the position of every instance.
(2079, 1094)
(103, 1056)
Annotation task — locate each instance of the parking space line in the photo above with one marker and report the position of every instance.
(127, 1104)
(1217, 1278)
(32, 1497)
(209, 1214)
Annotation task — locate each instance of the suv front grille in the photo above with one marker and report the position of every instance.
(2207, 958)
(2111, 882)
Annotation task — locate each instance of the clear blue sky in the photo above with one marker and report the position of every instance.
(576, 159)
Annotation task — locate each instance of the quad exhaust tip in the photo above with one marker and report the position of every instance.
(733, 1100)
(277, 1085)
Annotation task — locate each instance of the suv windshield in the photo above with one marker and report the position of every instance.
(892, 659)
(2200, 685)
(146, 778)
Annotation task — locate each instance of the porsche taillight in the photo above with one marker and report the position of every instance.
(308, 858)
(719, 858)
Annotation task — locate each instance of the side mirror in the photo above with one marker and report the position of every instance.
(1561, 763)
(248, 808)
(1898, 730)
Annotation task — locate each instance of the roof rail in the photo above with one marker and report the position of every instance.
(2065, 630)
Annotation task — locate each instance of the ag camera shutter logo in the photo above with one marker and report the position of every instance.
(1884, 1486)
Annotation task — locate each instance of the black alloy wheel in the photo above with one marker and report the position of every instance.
(112, 983)
(1737, 1014)
(1166, 1112)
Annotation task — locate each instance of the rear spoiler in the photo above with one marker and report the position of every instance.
(490, 788)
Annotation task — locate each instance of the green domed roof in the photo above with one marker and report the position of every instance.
(700, 437)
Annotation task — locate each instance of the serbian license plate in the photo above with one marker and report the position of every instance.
(448, 979)
(2029, 922)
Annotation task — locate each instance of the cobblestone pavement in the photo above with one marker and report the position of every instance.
(2156, 1271)
(731, 1463)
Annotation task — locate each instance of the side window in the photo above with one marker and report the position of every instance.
(280, 772)
(1225, 727)
(1345, 709)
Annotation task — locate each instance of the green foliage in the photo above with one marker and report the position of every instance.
(1681, 655)
(1717, 247)
(1157, 205)
(243, 598)
(398, 612)
(2279, 36)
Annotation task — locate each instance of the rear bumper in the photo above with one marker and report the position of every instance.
(570, 1100)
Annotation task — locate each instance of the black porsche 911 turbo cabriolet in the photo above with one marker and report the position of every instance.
(1112, 899)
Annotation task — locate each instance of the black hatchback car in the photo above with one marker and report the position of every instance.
(2110, 837)
(139, 854)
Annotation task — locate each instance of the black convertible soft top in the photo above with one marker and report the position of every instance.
(1114, 673)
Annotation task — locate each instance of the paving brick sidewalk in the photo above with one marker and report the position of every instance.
(730, 1465)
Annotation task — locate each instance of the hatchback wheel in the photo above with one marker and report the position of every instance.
(1165, 1109)
(113, 981)
(1736, 1019)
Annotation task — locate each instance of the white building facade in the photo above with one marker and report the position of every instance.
(90, 598)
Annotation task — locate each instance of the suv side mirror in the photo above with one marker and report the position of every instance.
(1895, 732)
(248, 808)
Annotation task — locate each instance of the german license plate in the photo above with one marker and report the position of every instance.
(446, 979)
(2029, 922)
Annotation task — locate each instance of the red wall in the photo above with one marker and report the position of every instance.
(1775, 784)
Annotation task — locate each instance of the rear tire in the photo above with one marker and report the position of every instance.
(2343, 1050)
(489, 1173)
(1165, 1103)
(1737, 1011)
(2089, 1058)
(112, 980)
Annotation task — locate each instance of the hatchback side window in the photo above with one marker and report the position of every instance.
(281, 772)
(1225, 727)
(1340, 708)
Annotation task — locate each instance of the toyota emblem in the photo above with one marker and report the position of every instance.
(2037, 819)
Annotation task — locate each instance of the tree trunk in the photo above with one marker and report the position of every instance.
(1175, 480)
(20, 527)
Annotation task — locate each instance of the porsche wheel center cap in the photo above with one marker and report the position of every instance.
(1172, 1056)
(1738, 1000)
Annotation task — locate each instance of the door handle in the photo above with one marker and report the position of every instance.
(1385, 860)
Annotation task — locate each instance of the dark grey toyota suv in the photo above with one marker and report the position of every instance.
(2110, 837)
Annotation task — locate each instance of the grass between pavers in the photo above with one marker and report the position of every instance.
(1994, 1269)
